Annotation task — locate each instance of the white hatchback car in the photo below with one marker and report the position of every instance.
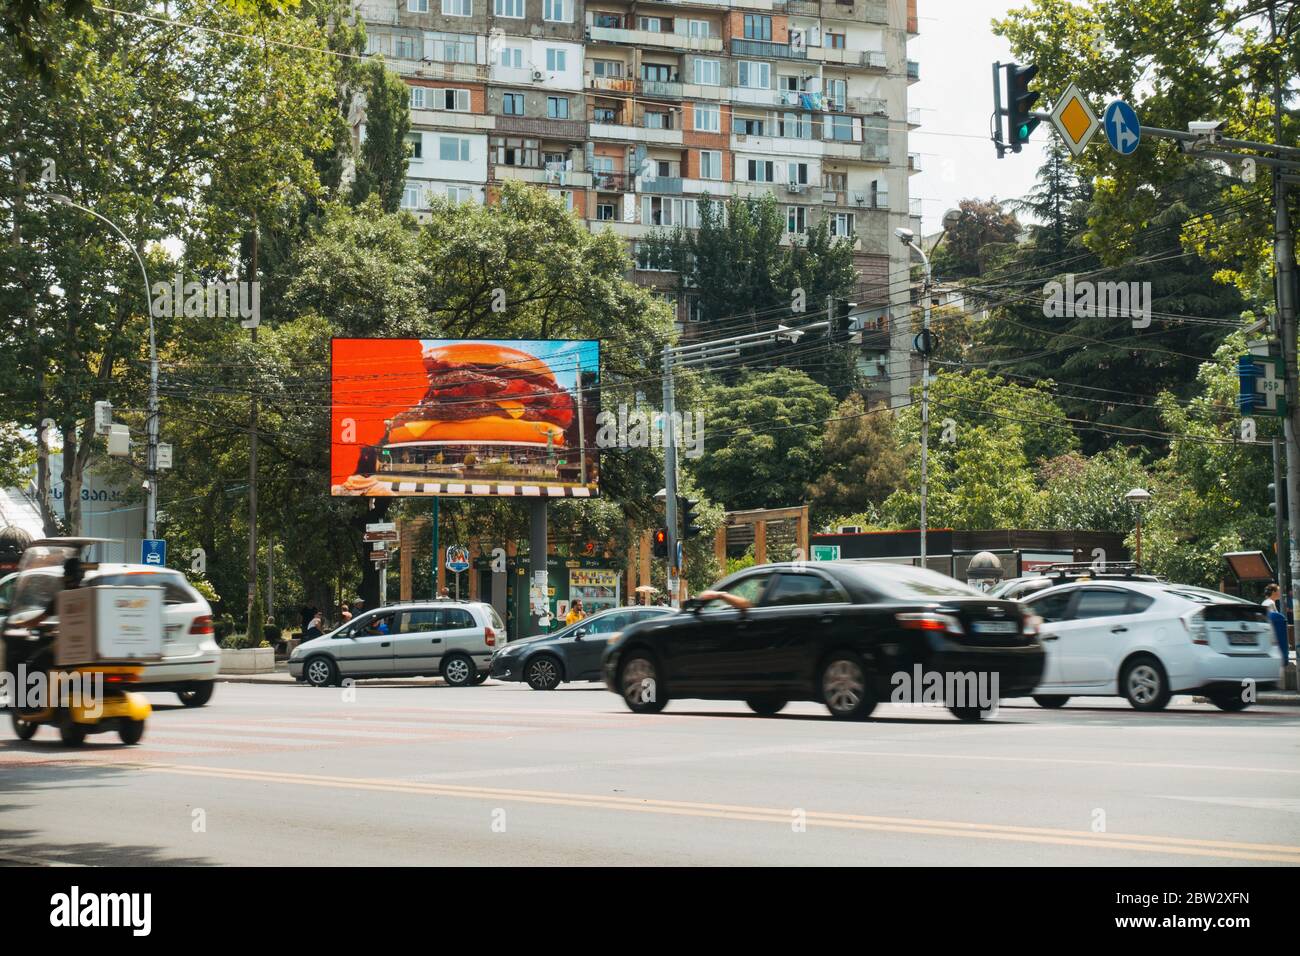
(191, 657)
(1147, 640)
(450, 639)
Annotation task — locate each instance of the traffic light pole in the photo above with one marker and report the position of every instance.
(1284, 577)
(670, 477)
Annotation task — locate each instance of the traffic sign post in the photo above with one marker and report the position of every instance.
(153, 551)
(1122, 127)
(1262, 385)
(825, 552)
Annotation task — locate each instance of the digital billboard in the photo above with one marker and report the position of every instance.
(512, 417)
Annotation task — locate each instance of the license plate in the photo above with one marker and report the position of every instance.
(1242, 640)
(995, 627)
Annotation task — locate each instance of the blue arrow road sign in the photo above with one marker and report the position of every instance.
(153, 551)
(1122, 127)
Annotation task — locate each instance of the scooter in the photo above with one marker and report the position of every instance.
(92, 699)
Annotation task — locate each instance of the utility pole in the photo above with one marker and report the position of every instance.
(1284, 255)
(252, 457)
(670, 478)
(922, 345)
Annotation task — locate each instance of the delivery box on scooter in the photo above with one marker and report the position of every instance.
(109, 623)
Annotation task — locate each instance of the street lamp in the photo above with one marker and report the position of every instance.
(151, 466)
(1138, 498)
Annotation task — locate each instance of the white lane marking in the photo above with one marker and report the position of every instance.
(1251, 803)
(1141, 764)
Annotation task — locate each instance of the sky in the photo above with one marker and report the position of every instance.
(956, 49)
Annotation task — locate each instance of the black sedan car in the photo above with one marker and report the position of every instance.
(847, 633)
(570, 654)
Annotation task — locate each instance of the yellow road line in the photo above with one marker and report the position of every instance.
(1276, 853)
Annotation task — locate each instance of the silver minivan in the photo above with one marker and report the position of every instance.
(453, 640)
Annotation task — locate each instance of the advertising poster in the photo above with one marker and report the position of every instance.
(464, 417)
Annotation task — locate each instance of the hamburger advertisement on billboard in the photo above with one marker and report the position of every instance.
(512, 417)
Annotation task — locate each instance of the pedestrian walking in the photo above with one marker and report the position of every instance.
(576, 613)
(1272, 597)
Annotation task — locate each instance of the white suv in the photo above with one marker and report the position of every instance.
(450, 639)
(1147, 640)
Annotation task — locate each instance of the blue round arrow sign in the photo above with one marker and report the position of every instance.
(1123, 130)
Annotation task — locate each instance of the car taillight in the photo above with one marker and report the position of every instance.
(202, 625)
(489, 637)
(929, 621)
(1031, 624)
(1194, 621)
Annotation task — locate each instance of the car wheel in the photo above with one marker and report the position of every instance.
(196, 695)
(320, 672)
(1050, 701)
(25, 729)
(1144, 683)
(766, 706)
(1229, 700)
(639, 681)
(482, 676)
(971, 714)
(844, 688)
(72, 734)
(543, 673)
(458, 670)
(131, 732)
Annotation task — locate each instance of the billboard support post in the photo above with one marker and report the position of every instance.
(536, 556)
(436, 563)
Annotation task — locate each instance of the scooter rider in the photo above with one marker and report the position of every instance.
(34, 649)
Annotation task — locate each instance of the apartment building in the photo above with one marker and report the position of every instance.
(631, 111)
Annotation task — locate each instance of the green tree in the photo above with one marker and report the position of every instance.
(381, 167)
(862, 461)
(1087, 494)
(764, 439)
(981, 234)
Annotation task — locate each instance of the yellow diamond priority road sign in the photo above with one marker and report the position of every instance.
(1074, 119)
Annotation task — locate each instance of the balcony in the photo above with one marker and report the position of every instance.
(913, 162)
(913, 71)
(913, 117)
(763, 48)
(636, 134)
(875, 152)
(661, 184)
(612, 84)
(543, 176)
(875, 60)
(800, 8)
(612, 182)
(651, 38)
(670, 89)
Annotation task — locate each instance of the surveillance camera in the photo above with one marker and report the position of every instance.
(1204, 127)
(904, 234)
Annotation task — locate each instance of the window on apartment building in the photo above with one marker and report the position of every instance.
(514, 151)
(511, 57)
(758, 27)
(879, 194)
(835, 182)
(666, 168)
(654, 24)
(556, 11)
(656, 72)
(710, 164)
(604, 212)
(840, 128)
(604, 114)
(699, 28)
(842, 225)
(460, 194)
(378, 43)
(668, 211)
(789, 84)
(411, 196)
(707, 118)
(707, 72)
(602, 164)
(512, 104)
(657, 119)
(748, 125)
(417, 147)
(556, 60)
(509, 8)
(457, 8)
(797, 173)
(795, 125)
(417, 6)
(450, 47)
(837, 93)
(417, 97)
(404, 47)
(754, 75)
(555, 160)
(796, 220)
(610, 21)
(759, 170)
(834, 41)
(453, 149)
(455, 100)
(557, 107)
(694, 309)
(607, 69)
(647, 259)
(566, 197)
